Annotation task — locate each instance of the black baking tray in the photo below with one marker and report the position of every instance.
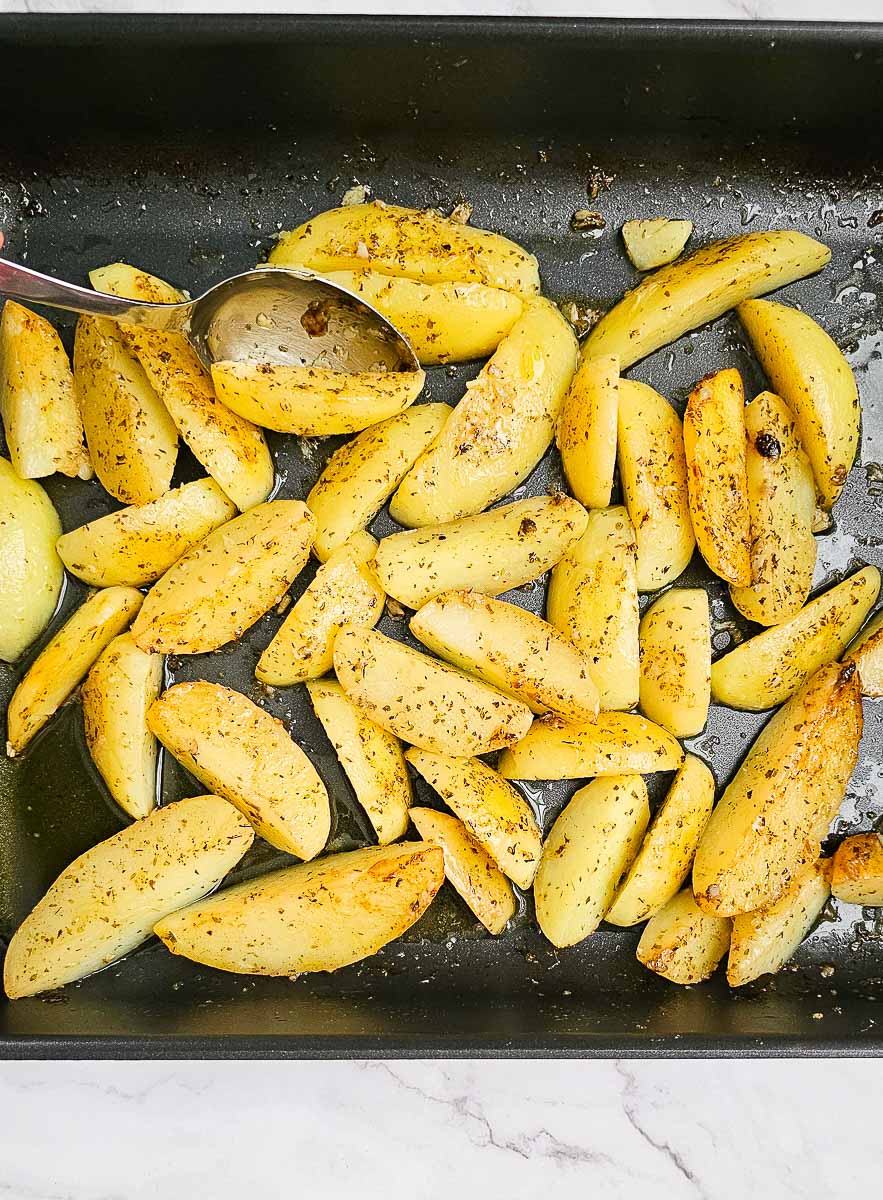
(183, 144)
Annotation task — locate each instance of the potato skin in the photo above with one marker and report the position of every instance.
(682, 943)
(857, 870)
(676, 661)
(867, 654)
(616, 744)
(586, 431)
(32, 574)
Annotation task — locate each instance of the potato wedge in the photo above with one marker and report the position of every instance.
(768, 668)
(468, 868)
(867, 654)
(422, 701)
(118, 691)
(494, 812)
(371, 757)
(491, 552)
(857, 870)
(781, 498)
(779, 804)
(654, 484)
(361, 476)
(588, 848)
(107, 901)
(38, 405)
(717, 475)
(586, 432)
(662, 864)
(513, 650)
(655, 242)
(65, 660)
(32, 575)
(616, 744)
(247, 756)
(312, 917)
(593, 600)
(676, 661)
(807, 369)
(122, 279)
(500, 429)
(701, 287)
(682, 943)
(135, 545)
(220, 588)
(407, 242)
(764, 940)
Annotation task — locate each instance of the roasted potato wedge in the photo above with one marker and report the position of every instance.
(586, 432)
(857, 870)
(682, 943)
(32, 575)
(588, 848)
(616, 744)
(247, 756)
(867, 654)
(655, 242)
(676, 661)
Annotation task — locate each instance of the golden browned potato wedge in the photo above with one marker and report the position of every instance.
(107, 901)
(65, 660)
(500, 429)
(221, 587)
(781, 497)
(764, 940)
(857, 870)
(122, 279)
(371, 757)
(363, 474)
(676, 661)
(593, 600)
(38, 405)
(616, 744)
(663, 862)
(468, 867)
(588, 848)
(246, 755)
(778, 807)
(768, 668)
(32, 574)
(655, 242)
(682, 943)
(422, 701)
(806, 368)
(407, 242)
(717, 475)
(513, 650)
(586, 433)
(654, 484)
(494, 812)
(135, 545)
(703, 286)
(118, 691)
(312, 917)
(491, 552)
(867, 654)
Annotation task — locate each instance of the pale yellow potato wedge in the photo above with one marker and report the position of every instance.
(779, 804)
(494, 812)
(371, 757)
(586, 432)
(491, 552)
(423, 701)
(682, 943)
(768, 668)
(122, 279)
(108, 900)
(500, 429)
(65, 660)
(118, 691)
(513, 650)
(588, 848)
(782, 502)
(32, 575)
(38, 404)
(135, 545)
(411, 243)
(468, 868)
(654, 484)
(616, 744)
(221, 587)
(663, 862)
(676, 661)
(655, 241)
(701, 287)
(867, 654)
(361, 476)
(857, 870)
(765, 939)
(593, 600)
(807, 369)
(246, 755)
(717, 474)
(312, 917)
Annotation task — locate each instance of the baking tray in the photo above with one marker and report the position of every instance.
(184, 144)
